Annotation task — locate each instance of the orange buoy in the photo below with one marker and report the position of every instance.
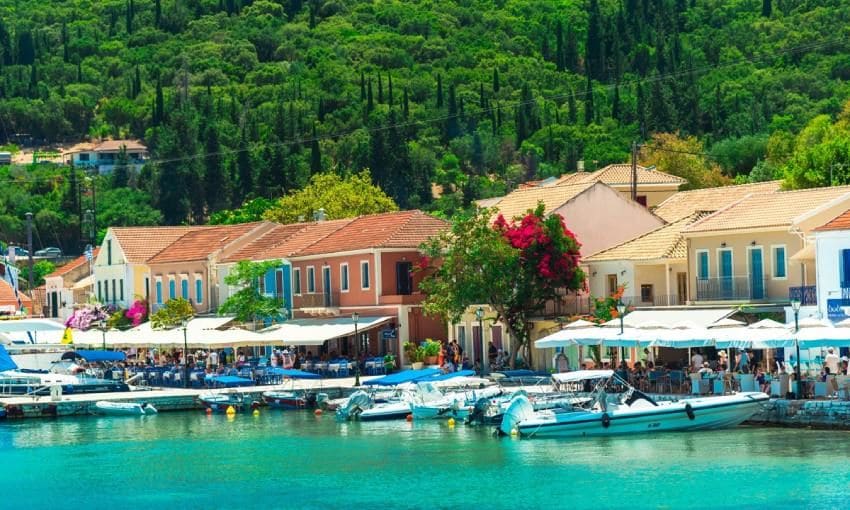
(409, 417)
(209, 411)
(317, 412)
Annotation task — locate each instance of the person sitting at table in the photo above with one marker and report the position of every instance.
(761, 379)
(639, 376)
(705, 371)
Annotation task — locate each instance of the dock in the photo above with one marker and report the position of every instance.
(164, 399)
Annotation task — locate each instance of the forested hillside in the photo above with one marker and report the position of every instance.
(241, 99)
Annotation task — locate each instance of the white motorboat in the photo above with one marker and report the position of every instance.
(430, 403)
(633, 413)
(124, 408)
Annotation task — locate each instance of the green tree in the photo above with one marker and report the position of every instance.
(515, 268)
(248, 304)
(172, 314)
(121, 170)
(340, 197)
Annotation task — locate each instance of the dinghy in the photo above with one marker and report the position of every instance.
(124, 408)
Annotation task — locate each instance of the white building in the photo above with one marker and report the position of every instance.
(104, 156)
(832, 263)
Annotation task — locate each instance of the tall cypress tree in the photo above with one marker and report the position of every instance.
(495, 80)
(559, 46)
(406, 105)
(370, 103)
(121, 172)
(362, 85)
(245, 169)
(571, 51)
(130, 14)
(137, 83)
(315, 154)
(157, 13)
(159, 105)
(766, 8)
(572, 109)
(390, 89)
(215, 178)
(595, 43)
(588, 102)
(452, 124)
(380, 90)
(64, 43)
(482, 99)
(641, 110)
(439, 91)
(615, 107)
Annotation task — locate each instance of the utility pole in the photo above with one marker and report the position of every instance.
(29, 247)
(635, 147)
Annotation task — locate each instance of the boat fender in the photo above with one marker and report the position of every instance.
(606, 420)
(689, 410)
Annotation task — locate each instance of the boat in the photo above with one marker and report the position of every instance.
(430, 403)
(18, 381)
(220, 402)
(2, 412)
(633, 413)
(124, 408)
(289, 399)
(491, 410)
(354, 406)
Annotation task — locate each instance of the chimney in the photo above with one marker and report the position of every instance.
(319, 215)
(580, 165)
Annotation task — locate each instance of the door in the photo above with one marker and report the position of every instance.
(326, 286)
(682, 287)
(496, 331)
(476, 344)
(54, 304)
(612, 284)
(404, 278)
(756, 274)
(725, 274)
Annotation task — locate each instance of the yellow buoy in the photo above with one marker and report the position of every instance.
(256, 412)
(231, 410)
(514, 432)
(451, 422)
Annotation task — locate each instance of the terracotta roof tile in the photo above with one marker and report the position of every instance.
(620, 174)
(685, 203)
(201, 243)
(74, 264)
(403, 229)
(259, 248)
(665, 242)
(840, 222)
(141, 243)
(7, 296)
(777, 209)
(518, 202)
(310, 234)
(115, 145)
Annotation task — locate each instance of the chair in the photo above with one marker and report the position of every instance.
(342, 370)
(699, 386)
(677, 377)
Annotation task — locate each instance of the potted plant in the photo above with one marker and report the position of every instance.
(414, 354)
(432, 351)
(389, 363)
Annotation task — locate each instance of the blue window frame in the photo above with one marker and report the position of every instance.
(172, 289)
(199, 291)
(159, 292)
(184, 289)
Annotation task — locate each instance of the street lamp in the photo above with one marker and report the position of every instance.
(479, 313)
(183, 324)
(798, 392)
(621, 311)
(354, 318)
(102, 327)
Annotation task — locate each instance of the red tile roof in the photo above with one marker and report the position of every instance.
(404, 229)
(258, 248)
(200, 244)
(74, 264)
(308, 236)
(840, 222)
(141, 243)
(7, 297)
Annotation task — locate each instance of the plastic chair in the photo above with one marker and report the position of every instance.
(342, 371)
(677, 377)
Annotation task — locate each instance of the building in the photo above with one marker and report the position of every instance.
(832, 261)
(68, 285)
(121, 272)
(104, 156)
(756, 250)
(187, 267)
(653, 186)
(652, 268)
(685, 203)
(12, 302)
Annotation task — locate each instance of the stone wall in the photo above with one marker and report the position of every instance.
(822, 414)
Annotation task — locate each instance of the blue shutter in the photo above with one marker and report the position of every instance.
(703, 265)
(268, 282)
(779, 270)
(287, 287)
(184, 289)
(199, 291)
(172, 289)
(159, 292)
(845, 269)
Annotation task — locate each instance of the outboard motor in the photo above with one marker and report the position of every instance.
(519, 409)
(480, 412)
(357, 402)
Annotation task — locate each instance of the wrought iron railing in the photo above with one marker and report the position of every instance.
(806, 294)
(733, 288)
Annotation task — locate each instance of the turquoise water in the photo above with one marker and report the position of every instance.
(296, 460)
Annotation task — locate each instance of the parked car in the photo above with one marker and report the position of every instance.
(49, 252)
(20, 252)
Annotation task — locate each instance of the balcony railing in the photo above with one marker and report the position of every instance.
(654, 300)
(329, 300)
(567, 305)
(737, 288)
(806, 295)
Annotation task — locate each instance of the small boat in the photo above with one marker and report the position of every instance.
(430, 403)
(2, 412)
(289, 399)
(633, 413)
(358, 402)
(220, 402)
(124, 408)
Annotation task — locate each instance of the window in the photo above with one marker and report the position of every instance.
(114, 294)
(641, 199)
(702, 264)
(121, 289)
(84, 156)
(343, 277)
(311, 279)
(106, 291)
(147, 289)
(646, 295)
(109, 252)
(199, 291)
(779, 267)
(158, 291)
(99, 292)
(612, 283)
(461, 336)
(172, 289)
(296, 276)
(844, 268)
(364, 275)
(184, 288)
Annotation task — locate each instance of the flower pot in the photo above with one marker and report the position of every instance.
(417, 365)
(431, 360)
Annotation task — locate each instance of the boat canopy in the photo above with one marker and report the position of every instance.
(451, 375)
(405, 376)
(582, 375)
(95, 356)
(6, 362)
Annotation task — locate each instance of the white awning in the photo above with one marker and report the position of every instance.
(670, 318)
(318, 331)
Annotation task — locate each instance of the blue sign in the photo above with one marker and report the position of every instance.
(836, 309)
(388, 334)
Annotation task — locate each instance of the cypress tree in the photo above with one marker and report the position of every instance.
(370, 103)
(641, 110)
(766, 8)
(159, 105)
(559, 46)
(482, 99)
(362, 86)
(571, 51)
(321, 110)
(380, 90)
(215, 177)
(390, 90)
(130, 13)
(245, 169)
(137, 83)
(544, 48)
(315, 154)
(64, 43)
(495, 80)
(121, 172)
(588, 103)
(157, 13)
(477, 156)
(439, 91)
(615, 108)
(406, 106)
(661, 113)
(79, 72)
(26, 48)
(33, 86)
(452, 125)
(572, 109)
(595, 44)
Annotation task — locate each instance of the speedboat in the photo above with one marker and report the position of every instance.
(124, 408)
(19, 381)
(491, 410)
(220, 402)
(354, 405)
(633, 413)
(289, 399)
(430, 403)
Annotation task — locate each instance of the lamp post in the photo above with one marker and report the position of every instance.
(621, 311)
(354, 318)
(798, 391)
(102, 327)
(479, 313)
(183, 325)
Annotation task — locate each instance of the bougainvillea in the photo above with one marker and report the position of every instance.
(137, 313)
(515, 267)
(86, 317)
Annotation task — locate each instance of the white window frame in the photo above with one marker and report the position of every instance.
(732, 265)
(773, 248)
(296, 281)
(707, 265)
(344, 279)
(311, 271)
(365, 263)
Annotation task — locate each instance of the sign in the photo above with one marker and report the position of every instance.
(837, 309)
(387, 334)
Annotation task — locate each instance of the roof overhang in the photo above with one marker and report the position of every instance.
(736, 231)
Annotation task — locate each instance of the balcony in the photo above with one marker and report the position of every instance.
(329, 300)
(737, 288)
(567, 305)
(807, 295)
(653, 300)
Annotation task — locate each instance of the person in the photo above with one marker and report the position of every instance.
(696, 361)
(213, 359)
(831, 361)
(764, 386)
(639, 376)
(649, 355)
(723, 357)
(562, 363)
(451, 355)
(705, 371)
(492, 352)
(743, 362)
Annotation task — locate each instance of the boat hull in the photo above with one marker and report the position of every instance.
(386, 411)
(685, 415)
(288, 400)
(436, 412)
(123, 409)
(220, 403)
